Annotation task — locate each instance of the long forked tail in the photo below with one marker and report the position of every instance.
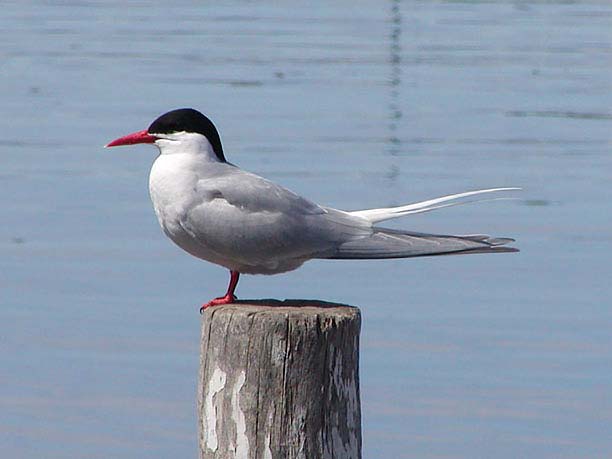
(387, 213)
(389, 243)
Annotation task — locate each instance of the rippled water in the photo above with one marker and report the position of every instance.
(353, 105)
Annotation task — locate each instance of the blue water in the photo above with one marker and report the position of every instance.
(353, 105)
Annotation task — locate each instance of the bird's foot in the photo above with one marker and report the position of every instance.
(227, 299)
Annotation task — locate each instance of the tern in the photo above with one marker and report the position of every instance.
(220, 213)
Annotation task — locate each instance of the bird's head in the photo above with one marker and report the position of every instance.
(184, 130)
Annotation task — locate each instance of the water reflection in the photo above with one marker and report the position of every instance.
(394, 142)
(559, 114)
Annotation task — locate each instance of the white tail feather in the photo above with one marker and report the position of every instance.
(387, 213)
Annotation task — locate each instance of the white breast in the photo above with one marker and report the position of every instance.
(172, 186)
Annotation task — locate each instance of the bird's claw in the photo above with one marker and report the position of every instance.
(227, 299)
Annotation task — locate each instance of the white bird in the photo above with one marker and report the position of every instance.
(217, 212)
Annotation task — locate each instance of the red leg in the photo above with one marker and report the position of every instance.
(229, 295)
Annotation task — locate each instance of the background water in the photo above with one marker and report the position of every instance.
(353, 104)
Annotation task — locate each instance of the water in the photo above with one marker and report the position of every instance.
(353, 105)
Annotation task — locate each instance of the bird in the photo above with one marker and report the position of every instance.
(220, 213)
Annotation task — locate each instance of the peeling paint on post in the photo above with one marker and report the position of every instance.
(209, 419)
(242, 441)
(280, 380)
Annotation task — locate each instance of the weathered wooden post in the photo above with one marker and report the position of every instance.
(280, 380)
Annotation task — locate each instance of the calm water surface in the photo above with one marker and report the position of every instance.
(354, 105)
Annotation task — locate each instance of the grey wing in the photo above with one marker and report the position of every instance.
(388, 243)
(256, 194)
(248, 218)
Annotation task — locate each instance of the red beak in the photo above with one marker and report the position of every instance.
(131, 139)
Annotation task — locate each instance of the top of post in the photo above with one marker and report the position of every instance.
(291, 307)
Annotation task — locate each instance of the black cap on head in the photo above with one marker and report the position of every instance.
(188, 120)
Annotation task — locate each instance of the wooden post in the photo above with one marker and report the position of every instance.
(280, 380)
